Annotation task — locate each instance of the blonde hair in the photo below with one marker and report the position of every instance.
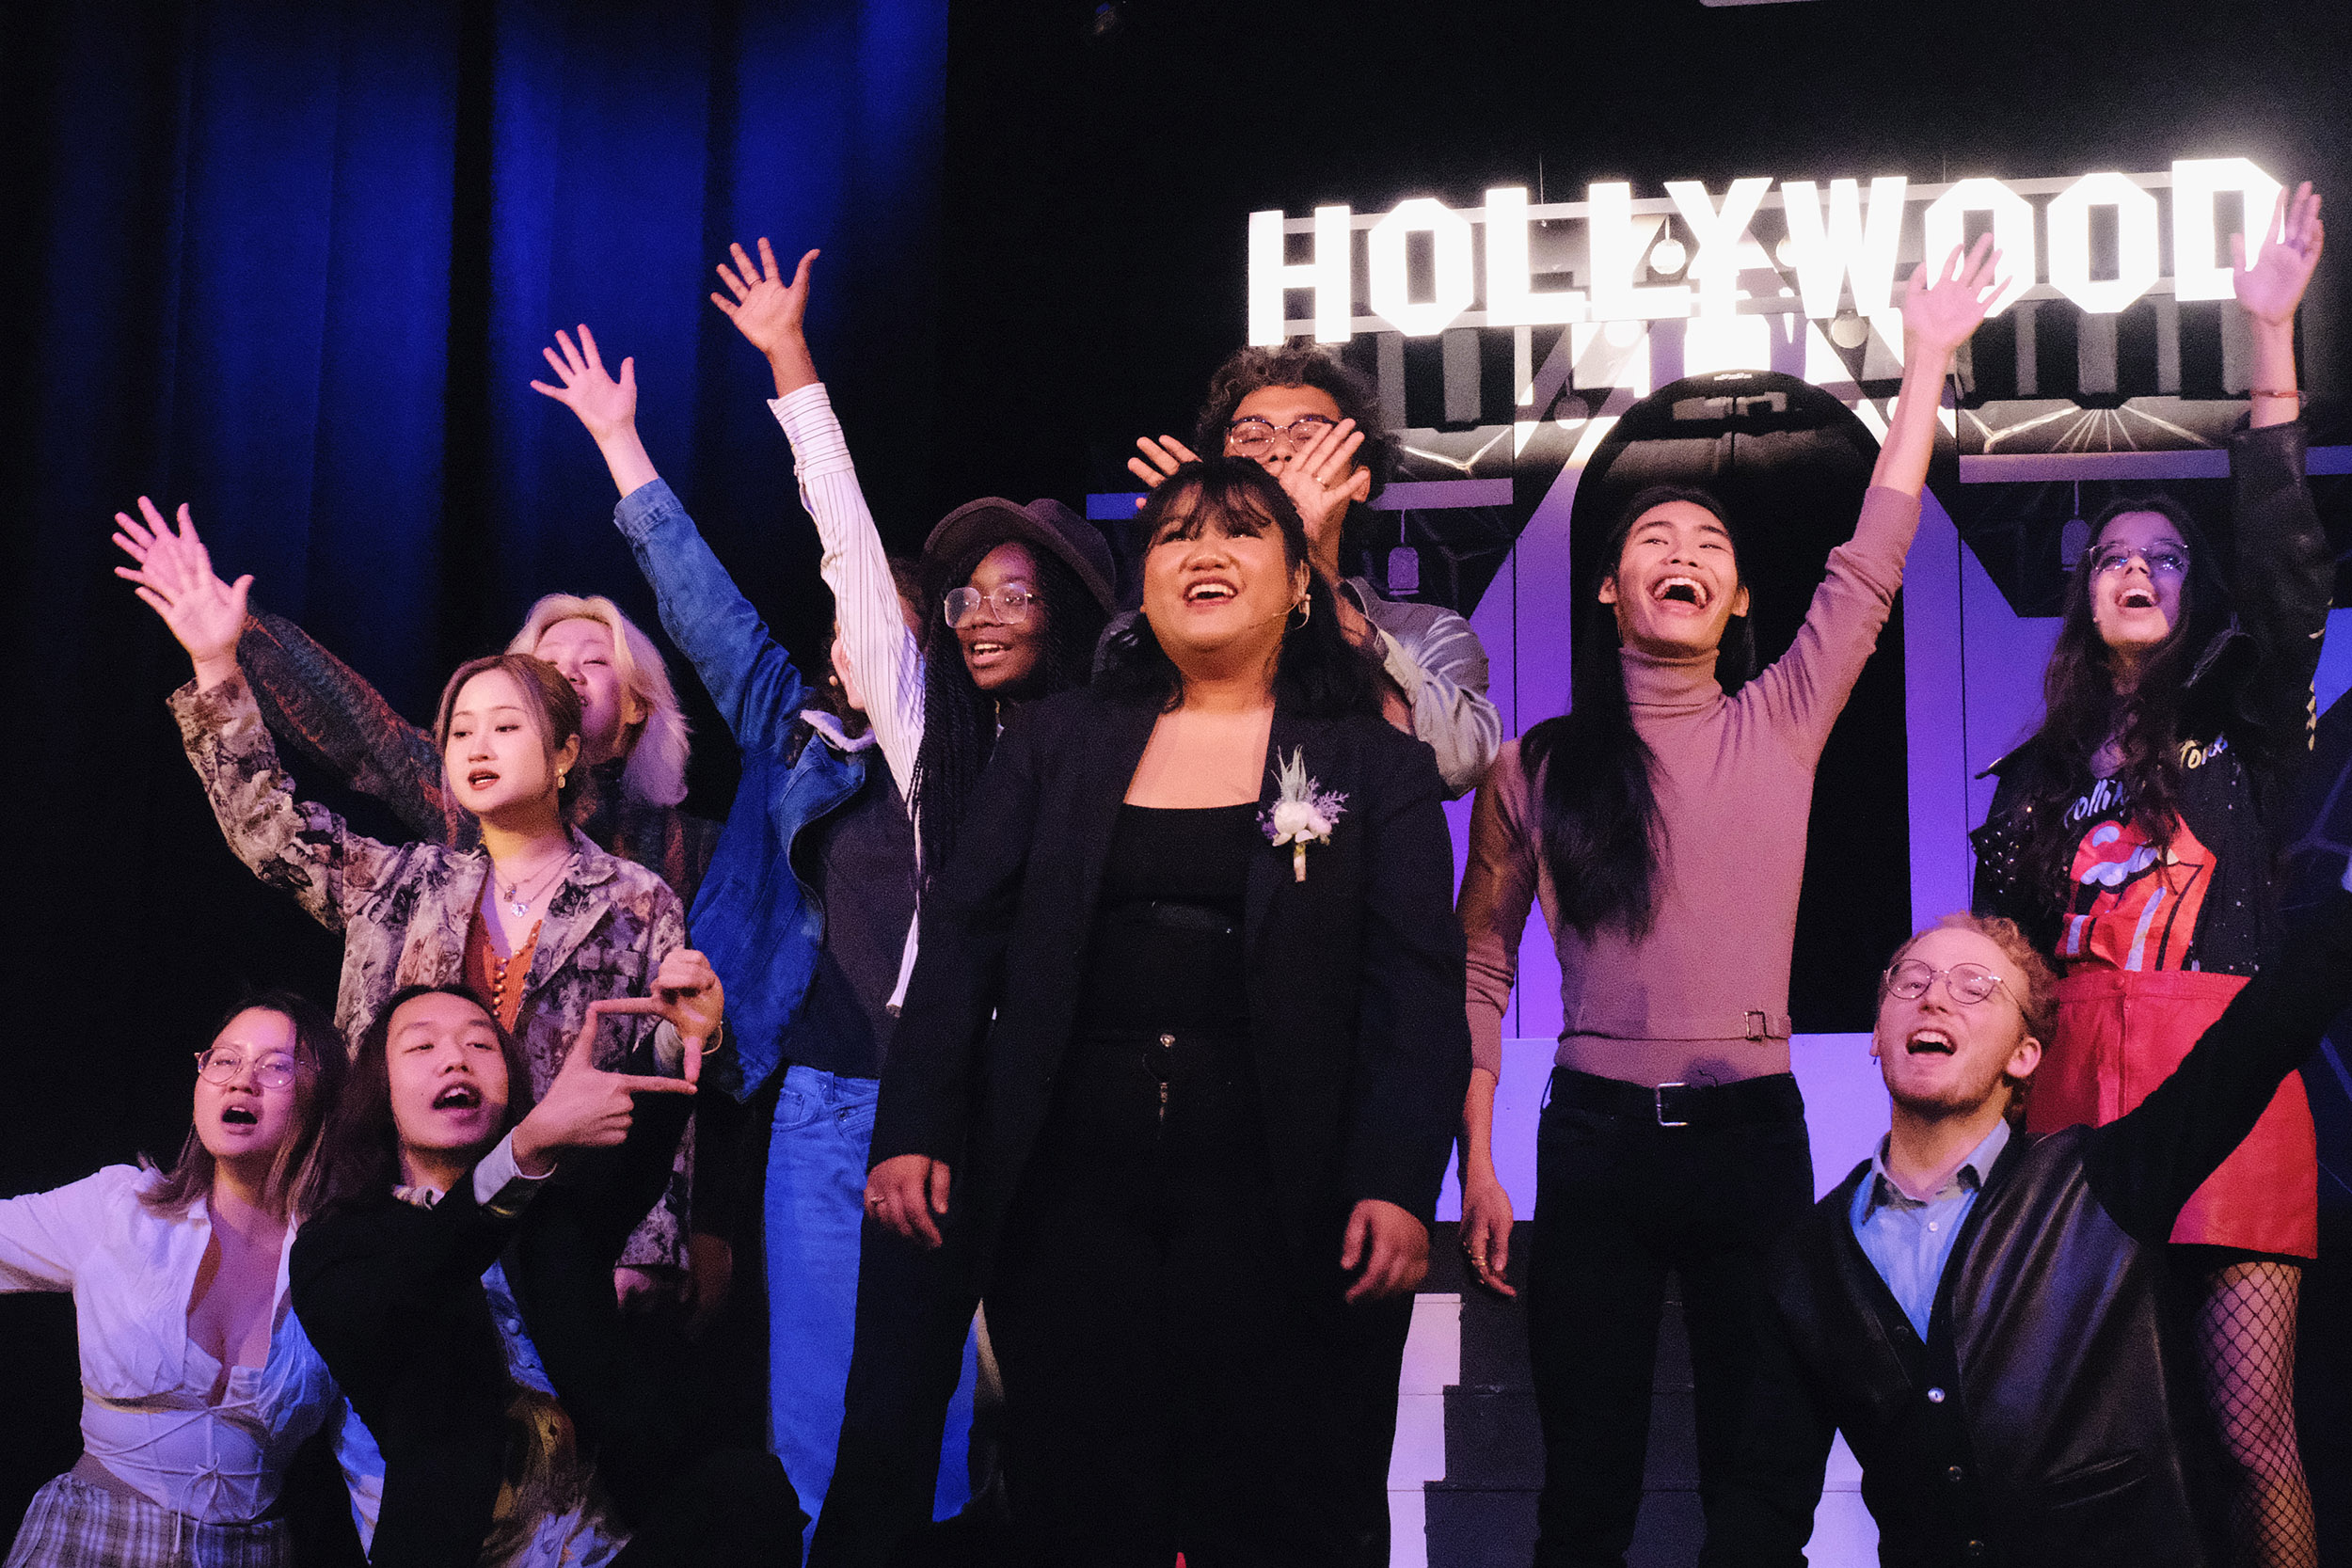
(657, 748)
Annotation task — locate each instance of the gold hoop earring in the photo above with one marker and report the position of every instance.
(1305, 610)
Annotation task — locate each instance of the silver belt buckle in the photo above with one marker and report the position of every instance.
(1759, 1024)
(1657, 1103)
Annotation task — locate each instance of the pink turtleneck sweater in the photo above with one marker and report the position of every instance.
(1704, 997)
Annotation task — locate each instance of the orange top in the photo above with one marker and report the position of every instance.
(495, 980)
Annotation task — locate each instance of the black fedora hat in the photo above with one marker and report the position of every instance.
(1046, 525)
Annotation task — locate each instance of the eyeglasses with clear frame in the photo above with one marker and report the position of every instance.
(2162, 561)
(276, 1070)
(1966, 984)
(1251, 437)
(1012, 604)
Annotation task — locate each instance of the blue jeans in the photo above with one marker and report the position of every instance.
(815, 1207)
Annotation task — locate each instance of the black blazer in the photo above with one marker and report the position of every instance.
(392, 1296)
(2049, 1416)
(1355, 975)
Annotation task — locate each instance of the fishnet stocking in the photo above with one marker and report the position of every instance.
(2246, 1344)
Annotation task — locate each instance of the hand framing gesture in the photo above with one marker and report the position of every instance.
(1941, 309)
(2272, 288)
(175, 577)
(686, 991)
(606, 406)
(587, 1107)
(1320, 479)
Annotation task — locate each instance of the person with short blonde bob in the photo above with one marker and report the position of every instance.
(538, 919)
(198, 1385)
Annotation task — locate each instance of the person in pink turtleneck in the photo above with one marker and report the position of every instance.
(1654, 824)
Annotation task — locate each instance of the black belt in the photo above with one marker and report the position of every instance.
(1767, 1099)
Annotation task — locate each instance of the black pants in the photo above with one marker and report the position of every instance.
(1620, 1200)
(733, 1506)
(914, 1310)
(1175, 1378)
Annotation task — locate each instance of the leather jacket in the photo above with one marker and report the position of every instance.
(2043, 1419)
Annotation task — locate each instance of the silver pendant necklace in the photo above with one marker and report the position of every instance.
(514, 895)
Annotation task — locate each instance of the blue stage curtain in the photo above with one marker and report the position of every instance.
(294, 264)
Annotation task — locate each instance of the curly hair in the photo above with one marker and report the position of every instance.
(960, 721)
(555, 715)
(1254, 369)
(2036, 993)
(2082, 710)
(1320, 672)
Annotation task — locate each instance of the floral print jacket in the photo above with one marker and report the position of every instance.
(404, 911)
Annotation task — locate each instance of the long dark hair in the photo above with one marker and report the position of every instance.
(1599, 805)
(1319, 671)
(297, 1177)
(2081, 710)
(362, 1139)
(959, 718)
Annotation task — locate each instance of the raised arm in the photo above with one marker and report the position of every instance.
(759, 690)
(43, 1235)
(1806, 687)
(885, 656)
(298, 846)
(2270, 291)
(1441, 670)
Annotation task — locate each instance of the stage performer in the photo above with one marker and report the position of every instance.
(456, 1284)
(2135, 837)
(1174, 1078)
(1314, 424)
(1661, 823)
(537, 918)
(1987, 1314)
(197, 1385)
(634, 745)
(1015, 598)
(804, 914)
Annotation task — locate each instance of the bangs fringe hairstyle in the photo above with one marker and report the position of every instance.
(1600, 808)
(959, 718)
(2038, 1002)
(657, 746)
(1320, 672)
(362, 1139)
(298, 1176)
(554, 715)
(2081, 711)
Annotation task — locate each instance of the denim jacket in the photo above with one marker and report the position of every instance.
(756, 921)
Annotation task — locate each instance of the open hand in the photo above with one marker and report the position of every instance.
(2272, 288)
(587, 1107)
(1160, 459)
(1322, 481)
(606, 406)
(687, 993)
(1942, 306)
(767, 311)
(175, 578)
(909, 1193)
(1390, 1246)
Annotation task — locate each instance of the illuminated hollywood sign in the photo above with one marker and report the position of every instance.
(2095, 241)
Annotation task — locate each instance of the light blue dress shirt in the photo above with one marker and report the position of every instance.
(1908, 1241)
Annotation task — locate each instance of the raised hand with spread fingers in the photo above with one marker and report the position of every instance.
(175, 578)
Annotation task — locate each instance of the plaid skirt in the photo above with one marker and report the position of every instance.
(72, 1524)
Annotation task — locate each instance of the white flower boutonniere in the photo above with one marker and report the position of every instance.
(1301, 814)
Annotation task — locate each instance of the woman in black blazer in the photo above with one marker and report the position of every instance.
(1175, 1074)
(459, 1287)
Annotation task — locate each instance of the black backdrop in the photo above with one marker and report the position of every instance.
(1013, 286)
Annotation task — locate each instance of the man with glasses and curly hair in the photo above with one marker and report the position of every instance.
(1983, 1313)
